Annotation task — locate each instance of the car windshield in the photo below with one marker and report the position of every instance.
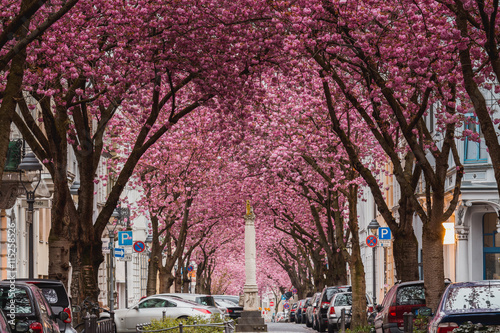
(469, 298)
(16, 299)
(410, 295)
(332, 291)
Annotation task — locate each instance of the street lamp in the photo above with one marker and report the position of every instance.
(30, 163)
(373, 228)
(111, 234)
(73, 190)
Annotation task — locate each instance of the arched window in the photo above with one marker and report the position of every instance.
(491, 247)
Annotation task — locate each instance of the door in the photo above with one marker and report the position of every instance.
(491, 247)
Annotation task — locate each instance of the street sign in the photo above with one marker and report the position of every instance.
(119, 252)
(384, 233)
(286, 306)
(105, 245)
(371, 241)
(139, 246)
(271, 303)
(190, 268)
(126, 257)
(294, 290)
(39, 203)
(125, 238)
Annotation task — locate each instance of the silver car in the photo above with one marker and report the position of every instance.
(155, 307)
(342, 301)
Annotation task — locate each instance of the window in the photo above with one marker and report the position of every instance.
(411, 295)
(16, 298)
(475, 148)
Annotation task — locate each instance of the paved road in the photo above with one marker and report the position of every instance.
(288, 327)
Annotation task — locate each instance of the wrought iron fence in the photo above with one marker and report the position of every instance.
(228, 327)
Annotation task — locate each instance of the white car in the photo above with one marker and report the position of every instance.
(155, 307)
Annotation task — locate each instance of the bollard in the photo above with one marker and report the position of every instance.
(408, 322)
(180, 328)
(342, 320)
(164, 314)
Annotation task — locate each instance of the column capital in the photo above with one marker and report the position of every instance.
(462, 232)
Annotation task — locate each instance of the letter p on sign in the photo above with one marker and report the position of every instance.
(384, 233)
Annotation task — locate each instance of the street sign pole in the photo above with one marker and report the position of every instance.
(111, 271)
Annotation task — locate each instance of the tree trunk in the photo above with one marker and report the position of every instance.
(166, 280)
(405, 244)
(85, 259)
(433, 262)
(153, 268)
(12, 90)
(358, 283)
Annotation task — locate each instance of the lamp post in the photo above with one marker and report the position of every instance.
(111, 235)
(373, 228)
(30, 163)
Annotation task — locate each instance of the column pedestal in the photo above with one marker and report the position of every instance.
(251, 321)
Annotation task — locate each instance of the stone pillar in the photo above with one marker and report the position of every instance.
(462, 255)
(251, 319)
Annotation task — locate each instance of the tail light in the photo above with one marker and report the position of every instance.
(229, 310)
(392, 312)
(370, 309)
(332, 310)
(205, 311)
(325, 305)
(36, 327)
(68, 311)
(446, 327)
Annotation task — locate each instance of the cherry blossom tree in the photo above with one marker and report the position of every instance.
(368, 64)
(22, 21)
(475, 26)
(133, 74)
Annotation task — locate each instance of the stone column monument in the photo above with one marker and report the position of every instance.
(251, 319)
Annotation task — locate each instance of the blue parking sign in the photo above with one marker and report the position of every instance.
(125, 238)
(384, 233)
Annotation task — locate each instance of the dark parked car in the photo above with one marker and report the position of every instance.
(401, 298)
(29, 307)
(304, 310)
(311, 309)
(233, 311)
(57, 296)
(293, 310)
(320, 318)
(476, 302)
(298, 312)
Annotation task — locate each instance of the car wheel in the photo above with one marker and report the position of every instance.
(321, 327)
(331, 328)
(315, 324)
(308, 323)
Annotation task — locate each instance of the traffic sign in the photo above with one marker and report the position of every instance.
(190, 268)
(384, 233)
(125, 238)
(286, 306)
(371, 241)
(271, 303)
(139, 246)
(294, 290)
(119, 252)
